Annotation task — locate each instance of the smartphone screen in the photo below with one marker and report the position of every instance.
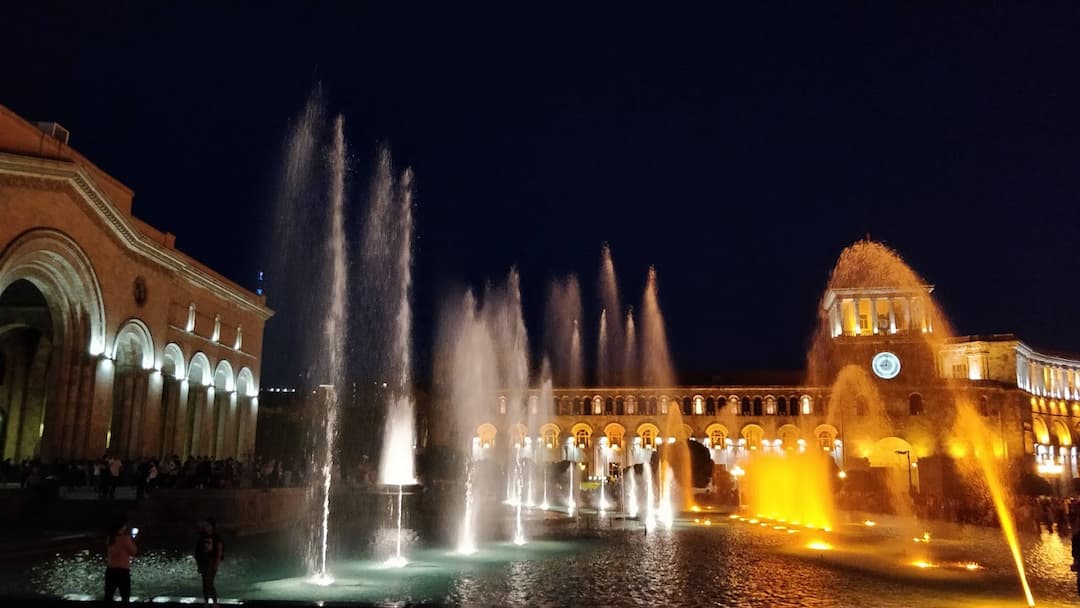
(134, 532)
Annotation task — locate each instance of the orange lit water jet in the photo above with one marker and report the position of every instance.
(791, 486)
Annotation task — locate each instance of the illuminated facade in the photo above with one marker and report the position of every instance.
(881, 392)
(110, 338)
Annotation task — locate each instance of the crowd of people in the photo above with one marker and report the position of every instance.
(148, 474)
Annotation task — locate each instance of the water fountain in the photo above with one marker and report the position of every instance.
(650, 499)
(609, 363)
(631, 495)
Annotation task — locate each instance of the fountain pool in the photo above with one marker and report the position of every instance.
(611, 561)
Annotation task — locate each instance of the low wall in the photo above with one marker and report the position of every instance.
(241, 512)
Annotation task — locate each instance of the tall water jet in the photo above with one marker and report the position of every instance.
(603, 371)
(467, 536)
(609, 368)
(632, 495)
(665, 510)
(656, 366)
(561, 316)
(630, 355)
(571, 501)
(387, 268)
(650, 498)
(791, 486)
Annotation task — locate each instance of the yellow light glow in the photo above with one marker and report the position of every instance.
(779, 527)
(791, 531)
(708, 522)
(733, 516)
(869, 523)
(971, 566)
(922, 564)
(695, 509)
(842, 474)
(818, 545)
(753, 521)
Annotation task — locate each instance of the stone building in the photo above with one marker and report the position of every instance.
(111, 339)
(884, 391)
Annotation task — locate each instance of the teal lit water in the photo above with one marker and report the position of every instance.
(611, 562)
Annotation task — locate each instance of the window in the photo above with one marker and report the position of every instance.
(781, 406)
(710, 407)
(597, 406)
(502, 405)
(757, 406)
(807, 405)
(609, 406)
(615, 439)
(631, 405)
(825, 440)
(577, 406)
(687, 407)
(745, 406)
(770, 406)
(652, 406)
(716, 439)
(564, 407)
(551, 437)
(753, 436)
(864, 323)
(663, 405)
(699, 406)
(533, 404)
(581, 438)
(959, 370)
(647, 438)
(915, 404)
(620, 407)
(216, 335)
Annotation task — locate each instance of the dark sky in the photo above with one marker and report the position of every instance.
(738, 149)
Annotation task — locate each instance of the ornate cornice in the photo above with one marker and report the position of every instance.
(41, 173)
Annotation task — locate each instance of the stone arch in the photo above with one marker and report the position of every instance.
(135, 333)
(825, 434)
(806, 404)
(615, 433)
(752, 435)
(486, 434)
(1060, 432)
(1042, 433)
(62, 272)
(770, 405)
(199, 369)
(717, 434)
(581, 433)
(245, 383)
(550, 433)
(224, 379)
(789, 436)
(172, 361)
(648, 432)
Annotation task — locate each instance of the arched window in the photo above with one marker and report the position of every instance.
(745, 407)
(825, 440)
(793, 405)
(663, 405)
(807, 405)
(699, 406)
(770, 406)
(687, 406)
(757, 406)
(577, 406)
(502, 405)
(915, 404)
(562, 406)
(620, 407)
(551, 437)
(652, 406)
(710, 407)
(609, 406)
(753, 436)
(582, 438)
(647, 438)
(631, 405)
(716, 438)
(781, 406)
(597, 406)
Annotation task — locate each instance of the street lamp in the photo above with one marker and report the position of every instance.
(737, 473)
(907, 453)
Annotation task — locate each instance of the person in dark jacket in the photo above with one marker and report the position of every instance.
(209, 550)
(1076, 553)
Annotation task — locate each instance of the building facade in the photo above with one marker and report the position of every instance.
(111, 339)
(884, 389)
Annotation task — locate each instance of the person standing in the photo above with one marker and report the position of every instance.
(209, 550)
(119, 549)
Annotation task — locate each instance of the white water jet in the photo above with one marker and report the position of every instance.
(519, 530)
(666, 510)
(467, 539)
(650, 500)
(603, 377)
(544, 505)
(571, 504)
(631, 494)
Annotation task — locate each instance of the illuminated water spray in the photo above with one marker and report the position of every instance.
(519, 529)
(571, 504)
(632, 498)
(650, 499)
(467, 540)
(665, 512)
(544, 505)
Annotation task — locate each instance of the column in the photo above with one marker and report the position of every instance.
(858, 325)
(151, 414)
(52, 439)
(873, 316)
(178, 418)
(892, 316)
(100, 405)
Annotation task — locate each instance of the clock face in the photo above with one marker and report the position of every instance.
(886, 365)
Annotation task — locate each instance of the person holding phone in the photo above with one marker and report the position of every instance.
(209, 550)
(119, 549)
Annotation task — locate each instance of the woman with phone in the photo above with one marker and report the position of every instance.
(119, 549)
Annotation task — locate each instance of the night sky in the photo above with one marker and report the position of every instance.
(738, 150)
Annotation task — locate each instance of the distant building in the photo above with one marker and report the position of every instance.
(110, 338)
(883, 393)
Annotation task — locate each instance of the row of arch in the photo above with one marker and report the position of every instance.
(717, 436)
(696, 405)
